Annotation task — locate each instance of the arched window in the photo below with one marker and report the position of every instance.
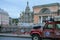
(45, 10)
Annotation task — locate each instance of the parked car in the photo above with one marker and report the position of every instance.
(51, 31)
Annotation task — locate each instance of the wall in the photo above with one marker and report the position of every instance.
(37, 11)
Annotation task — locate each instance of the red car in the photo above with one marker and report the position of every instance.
(51, 31)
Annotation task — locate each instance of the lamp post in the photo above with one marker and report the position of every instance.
(1, 23)
(58, 10)
(1, 20)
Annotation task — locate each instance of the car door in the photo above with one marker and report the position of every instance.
(48, 30)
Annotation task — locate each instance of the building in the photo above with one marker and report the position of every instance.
(4, 17)
(42, 12)
(27, 15)
(10, 21)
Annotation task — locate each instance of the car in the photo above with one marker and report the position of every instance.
(50, 31)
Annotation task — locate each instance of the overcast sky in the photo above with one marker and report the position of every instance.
(15, 7)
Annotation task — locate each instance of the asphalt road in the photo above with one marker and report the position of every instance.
(16, 38)
(13, 38)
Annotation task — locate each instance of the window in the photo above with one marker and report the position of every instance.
(58, 26)
(45, 17)
(49, 26)
(45, 10)
(36, 27)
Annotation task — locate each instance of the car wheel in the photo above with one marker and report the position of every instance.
(36, 37)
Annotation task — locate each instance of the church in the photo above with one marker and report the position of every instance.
(27, 16)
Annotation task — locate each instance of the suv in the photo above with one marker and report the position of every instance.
(51, 31)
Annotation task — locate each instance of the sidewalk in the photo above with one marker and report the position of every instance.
(15, 35)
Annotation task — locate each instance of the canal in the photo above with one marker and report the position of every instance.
(13, 38)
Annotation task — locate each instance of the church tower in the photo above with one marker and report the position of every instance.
(27, 16)
(27, 10)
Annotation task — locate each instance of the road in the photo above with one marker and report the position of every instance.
(4, 36)
(13, 38)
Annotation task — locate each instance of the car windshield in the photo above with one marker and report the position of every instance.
(36, 27)
(58, 26)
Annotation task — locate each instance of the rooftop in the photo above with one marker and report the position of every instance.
(3, 12)
(47, 5)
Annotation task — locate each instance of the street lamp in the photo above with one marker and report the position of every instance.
(58, 10)
(1, 22)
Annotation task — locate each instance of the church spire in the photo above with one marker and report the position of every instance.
(27, 8)
(27, 3)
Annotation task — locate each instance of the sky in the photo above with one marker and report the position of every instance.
(15, 7)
